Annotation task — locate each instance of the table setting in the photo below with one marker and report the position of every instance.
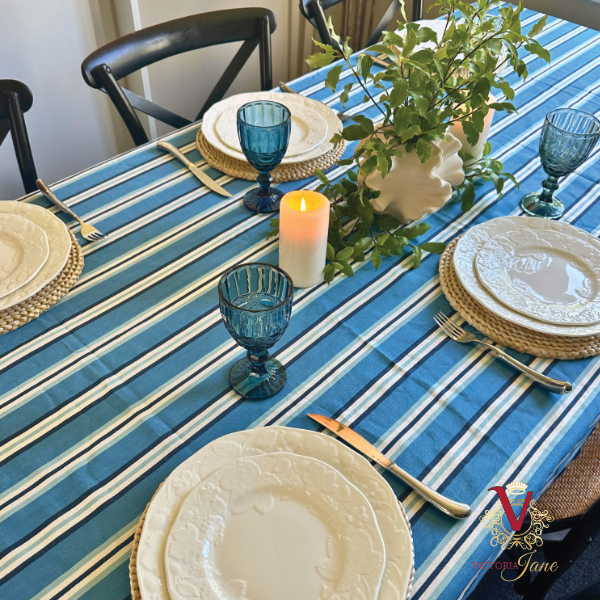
(240, 398)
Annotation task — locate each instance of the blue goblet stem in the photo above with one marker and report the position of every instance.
(549, 186)
(258, 360)
(264, 180)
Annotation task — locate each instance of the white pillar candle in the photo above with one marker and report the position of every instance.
(303, 226)
(476, 150)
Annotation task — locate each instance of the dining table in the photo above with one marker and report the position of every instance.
(102, 396)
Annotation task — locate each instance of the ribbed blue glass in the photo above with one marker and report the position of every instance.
(264, 131)
(568, 137)
(256, 304)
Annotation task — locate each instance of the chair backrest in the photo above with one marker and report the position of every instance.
(314, 12)
(15, 99)
(128, 54)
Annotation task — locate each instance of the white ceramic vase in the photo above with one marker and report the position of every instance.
(413, 189)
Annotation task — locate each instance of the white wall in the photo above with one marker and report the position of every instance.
(182, 83)
(70, 125)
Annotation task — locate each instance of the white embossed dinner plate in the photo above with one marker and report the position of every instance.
(271, 527)
(209, 122)
(308, 129)
(23, 252)
(168, 499)
(59, 246)
(471, 243)
(548, 275)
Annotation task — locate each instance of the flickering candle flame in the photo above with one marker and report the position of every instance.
(303, 205)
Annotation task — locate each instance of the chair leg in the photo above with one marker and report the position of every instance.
(266, 66)
(417, 11)
(318, 16)
(20, 139)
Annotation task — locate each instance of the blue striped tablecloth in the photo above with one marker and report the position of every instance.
(102, 396)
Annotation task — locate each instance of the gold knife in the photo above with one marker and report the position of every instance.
(199, 173)
(455, 509)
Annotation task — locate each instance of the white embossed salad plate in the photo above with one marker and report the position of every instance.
(59, 246)
(469, 246)
(23, 252)
(275, 526)
(548, 275)
(393, 524)
(308, 129)
(292, 101)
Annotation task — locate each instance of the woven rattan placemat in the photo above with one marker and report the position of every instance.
(14, 317)
(288, 172)
(578, 487)
(505, 333)
(133, 581)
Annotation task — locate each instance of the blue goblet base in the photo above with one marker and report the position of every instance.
(534, 207)
(261, 204)
(257, 385)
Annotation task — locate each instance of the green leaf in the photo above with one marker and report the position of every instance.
(433, 247)
(410, 132)
(423, 150)
(344, 254)
(399, 92)
(328, 273)
(363, 244)
(410, 233)
(418, 254)
(321, 176)
(345, 162)
(395, 245)
(468, 196)
(537, 28)
(383, 165)
(365, 123)
(381, 49)
(354, 132)
(365, 212)
(345, 95)
(333, 77)
(409, 43)
(503, 106)
(386, 222)
(376, 258)
(330, 252)
(322, 59)
(365, 62)
(536, 48)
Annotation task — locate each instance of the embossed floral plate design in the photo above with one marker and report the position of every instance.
(23, 252)
(468, 248)
(275, 526)
(59, 243)
(308, 130)
(548, 275)
(331, 123)
(393, 524)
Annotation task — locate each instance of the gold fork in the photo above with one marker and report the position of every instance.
(458, 334)
(88, 232)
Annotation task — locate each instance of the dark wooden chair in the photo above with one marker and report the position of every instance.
(573, 500)
(103, 68)
(314, 12)
(15, 99)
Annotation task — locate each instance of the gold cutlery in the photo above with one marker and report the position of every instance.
(458, 510)
(197, 171)
(458, 334)
(377, 60)
(288, 90)
(88, 232)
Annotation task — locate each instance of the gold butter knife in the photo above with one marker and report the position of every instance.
(199, 173)
(455, 509)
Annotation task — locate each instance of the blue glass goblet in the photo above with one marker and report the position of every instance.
(264, 132)
(568, 137)
(256, 304)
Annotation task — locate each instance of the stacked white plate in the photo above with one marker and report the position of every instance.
(313, 125)
(543, 275)
(275, 513)
(34, 247)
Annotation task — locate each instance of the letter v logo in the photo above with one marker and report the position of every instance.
(508, 509)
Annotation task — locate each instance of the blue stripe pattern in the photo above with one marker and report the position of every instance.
(127, 376)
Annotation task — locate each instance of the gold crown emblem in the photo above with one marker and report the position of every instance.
(516, 488)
